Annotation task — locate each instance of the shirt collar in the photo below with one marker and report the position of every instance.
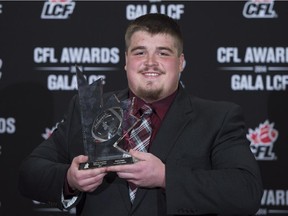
(159, 107)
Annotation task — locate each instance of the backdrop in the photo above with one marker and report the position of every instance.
(235, 51)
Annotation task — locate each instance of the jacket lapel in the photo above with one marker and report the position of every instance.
(171, 128)
(124, 191)
(177, 117)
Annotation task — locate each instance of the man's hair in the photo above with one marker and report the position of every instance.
(155, 24)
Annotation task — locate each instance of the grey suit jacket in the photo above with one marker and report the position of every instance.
(210, 169)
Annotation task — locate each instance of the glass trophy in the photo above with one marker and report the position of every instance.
(104, 126)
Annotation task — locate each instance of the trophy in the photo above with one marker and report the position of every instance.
(104, 126)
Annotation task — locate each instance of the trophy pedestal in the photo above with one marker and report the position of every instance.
(105, 162)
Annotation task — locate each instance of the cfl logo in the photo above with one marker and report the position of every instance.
(259, 9)
(57, 9)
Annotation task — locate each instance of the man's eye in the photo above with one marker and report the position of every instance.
(163, 54)
(139, 53)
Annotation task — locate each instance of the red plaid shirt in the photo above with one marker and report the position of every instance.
(160, 109)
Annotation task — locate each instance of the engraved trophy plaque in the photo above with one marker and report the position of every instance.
(104, 126)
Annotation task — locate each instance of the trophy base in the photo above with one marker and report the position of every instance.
(103, 163)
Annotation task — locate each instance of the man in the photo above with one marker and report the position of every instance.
(198, 160)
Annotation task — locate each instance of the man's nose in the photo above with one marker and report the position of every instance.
(151, 60)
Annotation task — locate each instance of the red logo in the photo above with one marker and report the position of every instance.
(265, 134)
(48, 132)
(262, 140)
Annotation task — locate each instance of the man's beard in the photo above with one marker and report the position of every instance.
(149, 94)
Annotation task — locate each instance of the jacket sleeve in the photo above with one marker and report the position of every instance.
(223, 180)
(42, 173)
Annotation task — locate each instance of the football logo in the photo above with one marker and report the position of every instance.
(57, 9)
(259, 9)
(262, 140)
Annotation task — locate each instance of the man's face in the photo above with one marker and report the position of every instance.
(153, 65)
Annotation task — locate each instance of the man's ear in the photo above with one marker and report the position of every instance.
(182, 63)
(125, 61)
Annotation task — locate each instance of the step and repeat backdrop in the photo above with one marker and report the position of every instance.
(235, 51)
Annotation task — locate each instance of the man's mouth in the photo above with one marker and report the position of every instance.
(151, 74)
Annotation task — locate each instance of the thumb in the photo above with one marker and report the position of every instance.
(137, 154)
(80, 159)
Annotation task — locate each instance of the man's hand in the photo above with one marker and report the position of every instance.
(84, 180)
(149, 171)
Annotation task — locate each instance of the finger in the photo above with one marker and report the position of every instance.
(127, 176)
(92, 179)
(80, 159)
(118, 168)
(91, 184)
(137, 154)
